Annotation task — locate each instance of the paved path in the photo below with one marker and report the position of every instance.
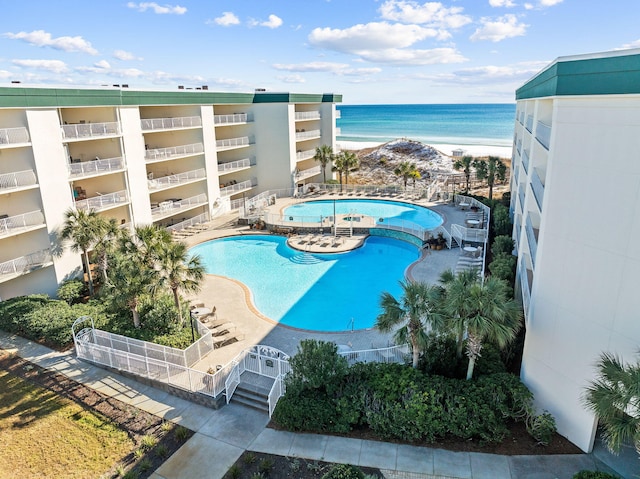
(222, 435)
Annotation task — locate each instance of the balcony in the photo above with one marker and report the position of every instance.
(307, 135)
(103, 202)
(525, 161)
(19, 179)
(538, 188)
(532, 238)
(12, 225)
(95, 167)
(236, 118)
(516, 175)
(233, 166)
(543, 134)
(173, 206)
(307, 115)
(305, 155)
(526, 279)
(12, 136)
(521, 196)
(238, 187)
(232, 143)
(529, 124)
(24, 264)
(90, 130)
(170, 181)
(308, 173)
(161, 154)
(156, 124)
(338, 114)
(519, 146)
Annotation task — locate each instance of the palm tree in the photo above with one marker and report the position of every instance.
(105, 244)
(324, 155)
(84, 229)
(465, 163)
(413, 313)
(179, 271)
(345, 161)
(406, 170)
(492, 170)
(615, 398)
(146, 243)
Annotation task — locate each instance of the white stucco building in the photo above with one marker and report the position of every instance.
(141, 157)
(576, 208)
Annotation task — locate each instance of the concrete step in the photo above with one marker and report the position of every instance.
(252, 396)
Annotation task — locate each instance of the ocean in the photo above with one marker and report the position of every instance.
(458, 124)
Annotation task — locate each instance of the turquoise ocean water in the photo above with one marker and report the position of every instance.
(458, 124)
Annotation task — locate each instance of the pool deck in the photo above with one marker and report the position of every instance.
(233, 300)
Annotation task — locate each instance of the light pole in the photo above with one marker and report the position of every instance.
(193, 334)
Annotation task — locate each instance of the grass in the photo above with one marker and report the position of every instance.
(44, 435)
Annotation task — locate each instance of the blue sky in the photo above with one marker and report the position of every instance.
(370, 51)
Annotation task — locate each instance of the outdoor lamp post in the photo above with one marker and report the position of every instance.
(193, 334)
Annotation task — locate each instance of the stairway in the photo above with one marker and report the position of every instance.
(343, 231)
(253, 391)
(305, 258)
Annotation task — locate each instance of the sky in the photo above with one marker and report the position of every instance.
(370, 51)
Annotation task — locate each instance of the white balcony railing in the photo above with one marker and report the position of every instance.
(175, 180)
(196, 220)
(229, 119)
(10, 136)
(155, 154)
(17, 223)
(151, 124)
(233, 142)
(238, 187)
(338, 114)
(529, 124)
(543, 134)
(85, 168)
(172, 206)
(305, 155)
(308, 173)
(305, 135)
(90, 130)
(26, 263)
(538, 188)
(532, 238)
(307, 115)
(18, 179)
(525, 161)
(102, 202)
(230, 167)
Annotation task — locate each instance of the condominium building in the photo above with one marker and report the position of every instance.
(142, 157)
(575, 186)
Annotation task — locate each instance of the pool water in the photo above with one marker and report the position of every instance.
(321, 292)
(389, 211)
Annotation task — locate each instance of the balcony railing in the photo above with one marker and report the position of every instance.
(90, 130)
(19, 179)
(305, 135)
(233, 142)
(175, 180)
(102, 202)
(231, 166)
(308, 173)
(521, 196)
(538, 188)
(155, 154)
(532, 238)
(152, 124)
(173, 206)
(338, 114)
(196, 220)
(526, 276)
(85, 168)
(26, 263)
(529, 124)
(305, 155)
(519, 146)
(10, 136)
(238, 187)
(543, 134)
(229, 119)
(307, 115)
(25, 221)
(516, 174)
(525, 161)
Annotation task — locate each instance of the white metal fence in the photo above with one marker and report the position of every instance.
(103, 201)
(170, 207)
(26, 263)
(238, 187)
(154, 154)
(226, 119)
(196, 220)
(233, 142)
(307, 115)
(17, 179)
(20, 222)
(95, 166)
(391, 354)
(306, 135)
(9, 136)
(88, 130)
(177, 179)
(232, 166)
(168, 123)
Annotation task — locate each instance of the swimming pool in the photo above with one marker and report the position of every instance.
(323, 292)
(389, 211)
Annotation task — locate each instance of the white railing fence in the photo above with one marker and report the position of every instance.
(307, 115)
(196, 220)
(391, 354)
(304, 155)
(277, 391)
(234, 118)
(166, 123)
(17, 179)
(23, 221)
(308, 173)
(176, 179)
(96, 166)
(26, 263)
(173, 151)
(238, 187)
(10, 136)
(232, 142)
(234, 165)
(103, 201)
(170, 207)
(305, 135)
(85, 130)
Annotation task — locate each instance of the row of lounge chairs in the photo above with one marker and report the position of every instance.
(223, 332)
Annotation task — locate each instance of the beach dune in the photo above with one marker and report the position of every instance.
(447, 149)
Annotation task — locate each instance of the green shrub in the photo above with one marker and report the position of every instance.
(71, 291)
(439, 358)
(309, 411)
(344, 471)
(584, 474)
(316, 365)
(502, 245)
(265, 466)
(501, 221)
(503, 266)
(541, 427)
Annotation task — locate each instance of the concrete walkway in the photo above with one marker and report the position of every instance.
(222, 435)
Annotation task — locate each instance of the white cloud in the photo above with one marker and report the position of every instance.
(499, 29)
(398, 56)
(273, 22)
(125, 56)
(4, 74)
(226, 19)
(291, 79)
(360, 71)
(158, 9)
(54, 66)
(542, 4)
(40, 38)
(311, 67)
(430, 13)
(626, 46)
(502, 3)
(102, 64)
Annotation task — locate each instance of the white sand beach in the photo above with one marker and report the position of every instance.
(472, 150)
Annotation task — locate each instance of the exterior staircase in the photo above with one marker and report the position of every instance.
(343, 231)
(253, 391)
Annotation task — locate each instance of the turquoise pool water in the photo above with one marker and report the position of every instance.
(389, 211)
(323, 292)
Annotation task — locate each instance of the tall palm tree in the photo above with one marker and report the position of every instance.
(83, 228)
(179, 271)
(344, 162)
(465, 163)
(406, 170)
(324, 155)
(106, 243)
(416, 311)
(146, 243)
(492, 170)
(615, 398)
